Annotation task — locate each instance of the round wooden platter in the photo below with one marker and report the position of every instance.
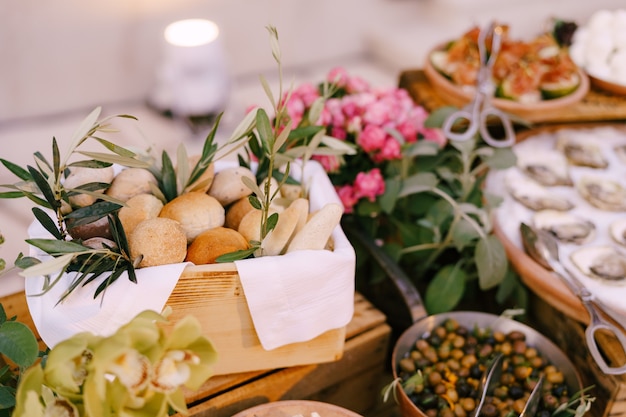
(608, 86)
(292, 408)
(532, 112)
(541, 281)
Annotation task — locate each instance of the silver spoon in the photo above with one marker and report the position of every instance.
(530, 409)
(544, 249)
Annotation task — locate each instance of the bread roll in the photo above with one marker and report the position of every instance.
(317, 230)
(290, 221)
(196, 212)
(131, 182)
(250, 225)
(212, 243)
(98, 228)
(138, 209)
(236, 211)
(158, 241)
(228, 187)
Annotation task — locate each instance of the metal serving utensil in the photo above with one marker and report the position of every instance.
(488, 381)
(530, 409)
(544, 249)
(480, 111)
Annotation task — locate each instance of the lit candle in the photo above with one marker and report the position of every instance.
(193, 79)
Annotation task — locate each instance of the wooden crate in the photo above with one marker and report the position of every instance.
(214, 295)
(353, 382)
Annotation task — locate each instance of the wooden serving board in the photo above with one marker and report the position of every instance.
(597, 105)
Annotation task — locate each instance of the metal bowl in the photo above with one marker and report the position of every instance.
(484, 320)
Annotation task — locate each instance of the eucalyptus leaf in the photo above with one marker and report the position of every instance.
(491, 262)
(445, 290)
(463, 234)
(437, 118)
(422, 147)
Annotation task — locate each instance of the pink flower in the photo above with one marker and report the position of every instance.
(390, 151)
(357, 85)
(408, 131)
(295, 110)
(330, 163)
(347, 197)
(369, 185)
(338, 76)
(434, 135)
(339, 132)
(377, 113)
(306, 92)
(372, 138)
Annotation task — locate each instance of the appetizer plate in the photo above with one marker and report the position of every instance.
(537, 145)
(608, 86)
(534, 112)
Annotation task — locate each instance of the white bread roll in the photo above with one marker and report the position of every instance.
(158, 241)
(228, 187)
(137, 209)
(131, 182)
(196, 212)
(81, 176)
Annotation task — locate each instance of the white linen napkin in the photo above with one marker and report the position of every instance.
(292, 298)
(80, 312)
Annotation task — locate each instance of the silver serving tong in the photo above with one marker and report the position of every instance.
(489, 380)
(530, 409)
(480, 111)
(544, 249)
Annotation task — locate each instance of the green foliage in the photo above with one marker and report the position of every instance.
(436, 217)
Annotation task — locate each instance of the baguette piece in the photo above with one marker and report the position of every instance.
(289, 221)
(317, 230)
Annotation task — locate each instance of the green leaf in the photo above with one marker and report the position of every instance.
(48, 224)
(463, 234)
(418, 183)
(437, 117)
(57, 247)
(16, 170)
(7, 400)
(168, 177)
(56, 159)
(85, 128)
(3, 314)
(491, 262)
(502, 158)
(44, 187)
(421, 147)
(266, 134)
(116, 159)
(445, 290)
(90, 163)
(388, 200)
(271, 222)
(254, 202)
(18, 343)
(117, 149)
(236, 256)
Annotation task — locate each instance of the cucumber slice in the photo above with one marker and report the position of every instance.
(439, 61)
(560, 88)
(505, 90)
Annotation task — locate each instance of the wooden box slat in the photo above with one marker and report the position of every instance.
(352, 382)
(214, 295)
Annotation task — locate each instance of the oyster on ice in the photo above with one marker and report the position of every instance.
(620, 152)
(601, 262)
(533, 195)
(617, 230)
(565, 226)
(602, 193)
(581, 152)
(547, 168)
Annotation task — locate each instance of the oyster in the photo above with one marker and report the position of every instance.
(549, 169)
(620, 152)
(601, 262)
(581, 152)
(533, 195)
(602, 193)
(617, 230)
(566, 227)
